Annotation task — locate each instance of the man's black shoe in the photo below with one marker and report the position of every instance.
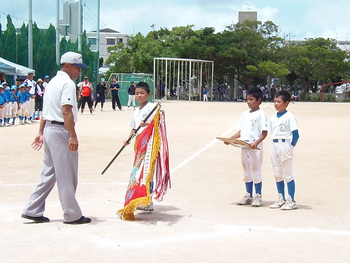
(37, 219)
(82, 220)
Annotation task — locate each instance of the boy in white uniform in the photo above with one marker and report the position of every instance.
(284, 135)
(142, 93)
(253, 130)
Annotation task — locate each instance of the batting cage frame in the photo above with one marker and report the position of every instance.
(182, 79)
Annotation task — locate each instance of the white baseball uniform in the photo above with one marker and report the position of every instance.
(281, 148)
(251, 125)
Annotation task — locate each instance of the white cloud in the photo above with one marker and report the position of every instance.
(300, 18)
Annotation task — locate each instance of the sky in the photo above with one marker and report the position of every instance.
(296, 19)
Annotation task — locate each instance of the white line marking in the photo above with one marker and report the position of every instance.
(183, 163)
(223, 231)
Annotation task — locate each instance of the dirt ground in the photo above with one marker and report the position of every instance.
(198, 220)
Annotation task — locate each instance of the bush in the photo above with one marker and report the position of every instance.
(315, 98)
(330, 98)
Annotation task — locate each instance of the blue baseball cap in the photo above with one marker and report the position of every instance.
(13, 87)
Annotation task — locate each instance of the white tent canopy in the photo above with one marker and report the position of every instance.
(11, 68)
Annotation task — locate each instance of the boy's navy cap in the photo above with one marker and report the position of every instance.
(73, 58)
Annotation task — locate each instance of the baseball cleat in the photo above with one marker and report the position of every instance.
(257, 202)
(246, 200)
(289, 205)
(279, 203)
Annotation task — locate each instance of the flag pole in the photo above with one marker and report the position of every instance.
(130, 138)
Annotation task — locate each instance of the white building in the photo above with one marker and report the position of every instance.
(108, 37)
(68, 26)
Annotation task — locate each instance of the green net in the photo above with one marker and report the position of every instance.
(124, 80)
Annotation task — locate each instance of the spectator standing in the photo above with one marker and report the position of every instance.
(131, 94)
(46, 80)
(39, 96)
(7, 94)
(205, 94)
(31, 104)
(86, 94)
(21, 103)
(114, 87)
(3, 103)
(13, 104)
(101, 93)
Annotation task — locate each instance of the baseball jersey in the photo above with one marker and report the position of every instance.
(60, 91)
(282, 127)
(21, 97)
(140, 114)
(3, 99)
(32, 85)
(252, 124)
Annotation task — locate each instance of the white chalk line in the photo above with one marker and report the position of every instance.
(196, 154)
(223, 231)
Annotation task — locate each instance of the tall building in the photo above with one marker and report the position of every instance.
(69, 25)
(247, 16)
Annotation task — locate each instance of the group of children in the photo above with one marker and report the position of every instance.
(20, 102)
(253, 128)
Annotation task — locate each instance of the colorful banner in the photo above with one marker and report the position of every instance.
(151, 164)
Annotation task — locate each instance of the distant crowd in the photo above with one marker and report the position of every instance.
(23, 101)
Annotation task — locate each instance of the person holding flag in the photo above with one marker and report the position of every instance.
(150, 176)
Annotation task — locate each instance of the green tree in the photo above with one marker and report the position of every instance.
(316, 60)
(242, 47)
(8, 50)
(22, 46)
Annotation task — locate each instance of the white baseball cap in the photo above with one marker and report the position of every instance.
(73, 58)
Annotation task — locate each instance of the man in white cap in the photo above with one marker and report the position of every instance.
(57, 134)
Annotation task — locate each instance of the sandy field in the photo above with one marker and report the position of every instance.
(198, 220)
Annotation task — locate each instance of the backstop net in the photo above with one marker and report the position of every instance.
(124, 80)
(182, 79)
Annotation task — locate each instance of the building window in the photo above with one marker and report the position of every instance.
(110, 41)
(92, 41)
(120, 40)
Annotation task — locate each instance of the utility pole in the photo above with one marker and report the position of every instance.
(98, 41)
(57, 32)
(30, 35)
(80, 24)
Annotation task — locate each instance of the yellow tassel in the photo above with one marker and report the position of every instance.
(127, 213)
